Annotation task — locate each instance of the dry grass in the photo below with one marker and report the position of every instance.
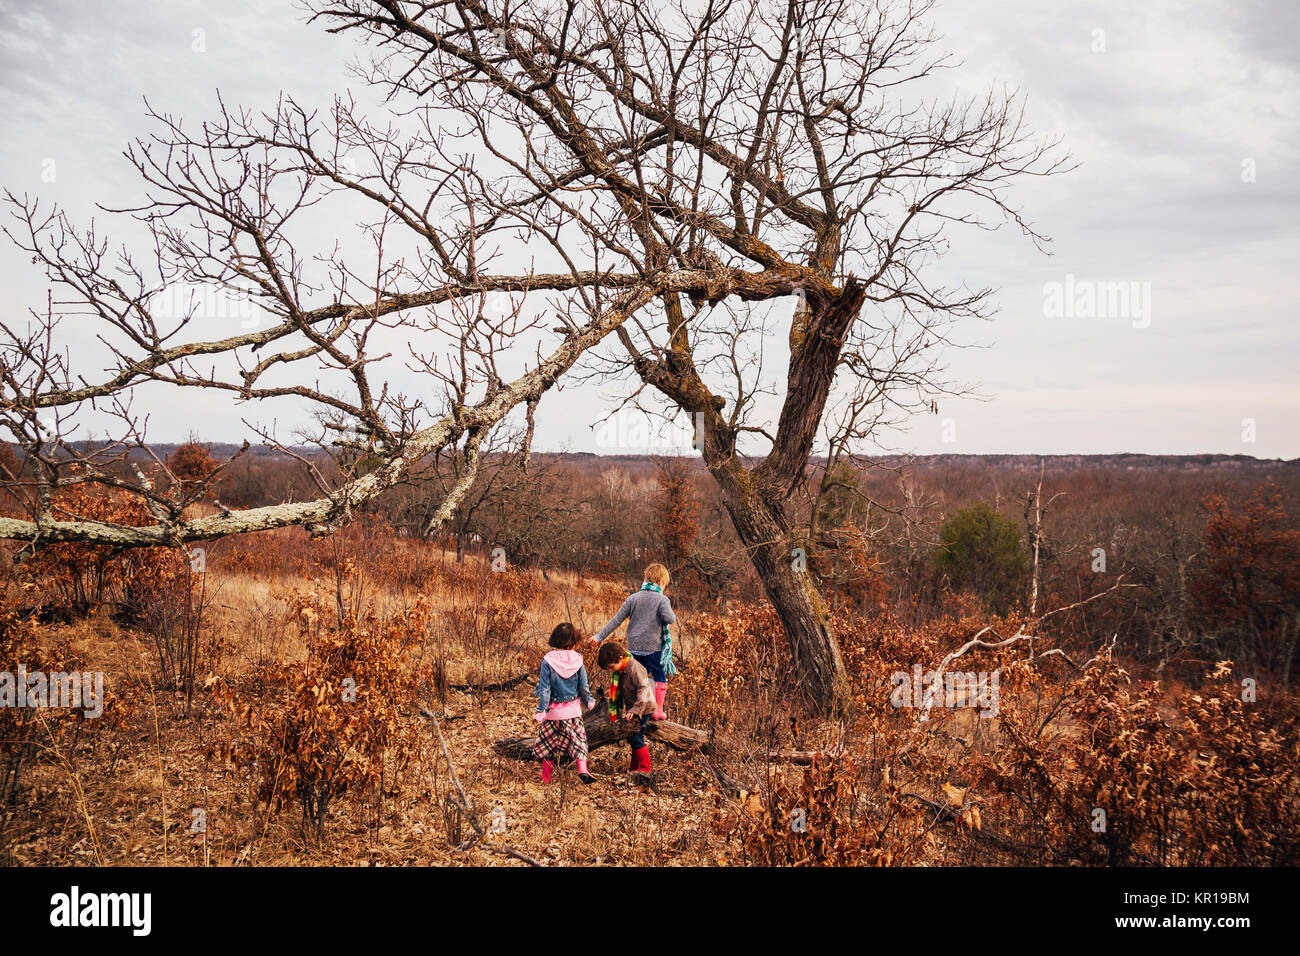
(126, 789)
(144, 801)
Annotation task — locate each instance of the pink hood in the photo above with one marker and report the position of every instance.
(564, 663)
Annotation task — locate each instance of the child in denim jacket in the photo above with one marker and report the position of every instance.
(561, 692)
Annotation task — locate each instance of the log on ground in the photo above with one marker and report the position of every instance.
(601, 731)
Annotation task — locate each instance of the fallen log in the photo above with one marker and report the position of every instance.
(601, 731)
(800, 758)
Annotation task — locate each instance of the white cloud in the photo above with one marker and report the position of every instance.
(1160, 123)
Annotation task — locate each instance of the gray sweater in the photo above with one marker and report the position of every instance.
(646, 612)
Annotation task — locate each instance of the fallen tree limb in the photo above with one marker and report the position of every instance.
(480, 837)
(800, 758)
(601, 732)
(507, 684)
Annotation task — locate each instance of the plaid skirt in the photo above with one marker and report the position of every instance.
(561, 740)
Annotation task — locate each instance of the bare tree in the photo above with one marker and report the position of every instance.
(687, 165)
(229, 214)
(765, 143)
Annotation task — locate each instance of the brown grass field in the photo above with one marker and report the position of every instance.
(1186, 773)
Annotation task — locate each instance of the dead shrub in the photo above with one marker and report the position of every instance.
(334, 721)
(821, 818)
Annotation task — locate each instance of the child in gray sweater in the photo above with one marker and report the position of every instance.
(648, 613)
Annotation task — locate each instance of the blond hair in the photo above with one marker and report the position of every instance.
(657, 574)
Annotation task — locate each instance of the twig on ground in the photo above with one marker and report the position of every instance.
(507, 684)
(481, 839)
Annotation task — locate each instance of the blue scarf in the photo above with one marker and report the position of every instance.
(666, 658)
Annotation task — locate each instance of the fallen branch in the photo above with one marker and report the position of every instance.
(507, 684)
(602, 732)
(800, 758)
(445, 717)
(481, 837)
(945, 813)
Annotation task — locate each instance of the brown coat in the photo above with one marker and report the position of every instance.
(636, 690)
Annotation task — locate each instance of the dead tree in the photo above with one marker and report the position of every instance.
(768, 144)
(679, 167)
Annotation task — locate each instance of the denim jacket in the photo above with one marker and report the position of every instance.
(563, 679)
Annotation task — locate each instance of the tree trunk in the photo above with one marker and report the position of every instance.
(763, 528)
(755, 498)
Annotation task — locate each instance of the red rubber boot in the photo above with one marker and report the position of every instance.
(641, 759)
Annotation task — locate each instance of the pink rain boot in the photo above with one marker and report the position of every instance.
(661, 690)
(548, 769)
(585, 777)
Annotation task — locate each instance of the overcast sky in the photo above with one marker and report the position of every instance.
(1183, 116)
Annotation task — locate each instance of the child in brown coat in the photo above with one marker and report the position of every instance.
(631, 694)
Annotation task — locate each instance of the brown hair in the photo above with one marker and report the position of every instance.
(610, 654)
(657, 574)
(565, 636)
